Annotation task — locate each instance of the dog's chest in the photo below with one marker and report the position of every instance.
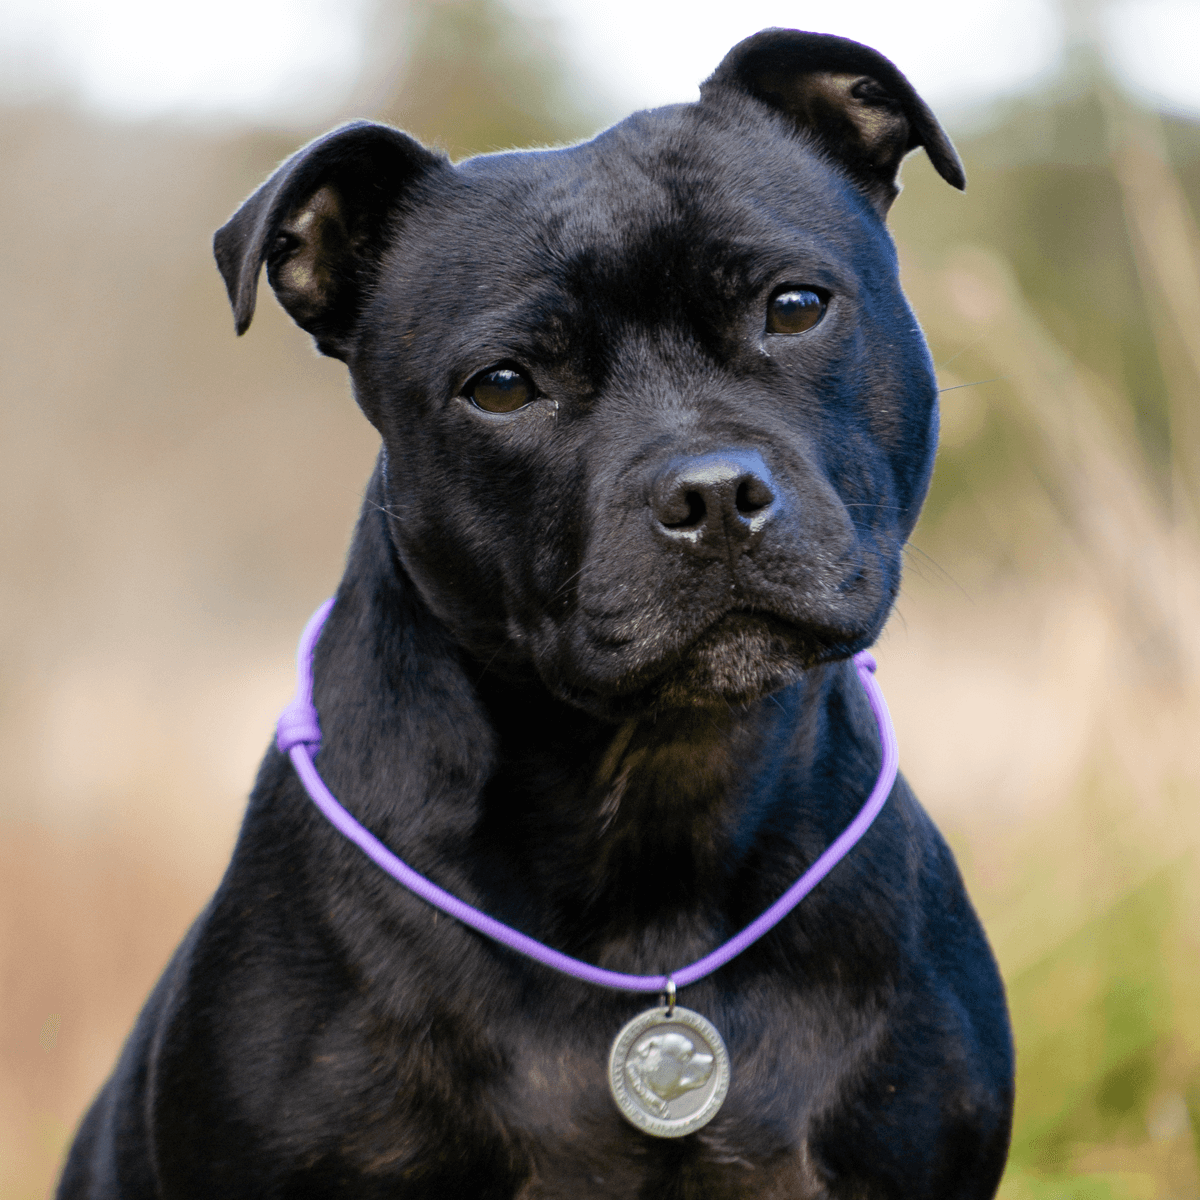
(552, 1108)
(525, 1109)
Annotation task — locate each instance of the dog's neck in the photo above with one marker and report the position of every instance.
(578, 830)
(668, 799)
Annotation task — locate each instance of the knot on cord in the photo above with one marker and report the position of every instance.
(865, 659)
(297, 726)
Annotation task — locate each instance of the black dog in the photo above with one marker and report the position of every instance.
(656, 423)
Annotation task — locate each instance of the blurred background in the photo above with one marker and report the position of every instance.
(177, 501)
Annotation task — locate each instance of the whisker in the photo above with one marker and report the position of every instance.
(973, 383)
(387, 510)
(958, 353)
(926, 559)
(484, 669)
(565, 584)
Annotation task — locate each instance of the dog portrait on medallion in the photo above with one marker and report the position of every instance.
(656, 423)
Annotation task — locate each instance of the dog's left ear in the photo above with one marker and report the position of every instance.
(858, 107)
(319, 223)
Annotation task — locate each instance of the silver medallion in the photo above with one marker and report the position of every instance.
(669, 1071)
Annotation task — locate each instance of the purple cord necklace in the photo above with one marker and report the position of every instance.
(668, 1069)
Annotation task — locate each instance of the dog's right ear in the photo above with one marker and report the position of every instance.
(319, 224)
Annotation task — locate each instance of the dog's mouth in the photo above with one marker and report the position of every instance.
(741, 655)
(745, 654)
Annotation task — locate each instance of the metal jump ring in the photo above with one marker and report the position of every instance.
(669, 996)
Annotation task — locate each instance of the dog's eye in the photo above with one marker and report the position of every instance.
(500, 390)
(794, 310)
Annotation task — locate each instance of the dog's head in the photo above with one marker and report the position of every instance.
(656, 417)
(670, 1065)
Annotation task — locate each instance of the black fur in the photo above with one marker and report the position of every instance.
(587, 669)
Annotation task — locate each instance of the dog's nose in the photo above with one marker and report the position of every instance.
(714, 503)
